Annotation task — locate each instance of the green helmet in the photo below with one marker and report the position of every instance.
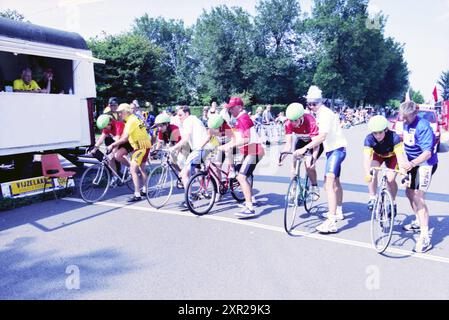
(103, 121)
(162, 118)
(215, 121)
(294, 111)
(377, 124)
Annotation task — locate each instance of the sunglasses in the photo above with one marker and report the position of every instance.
(312, 104)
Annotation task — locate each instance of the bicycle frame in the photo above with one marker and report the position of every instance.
(105, 164)
(299, 161)
(166, 162)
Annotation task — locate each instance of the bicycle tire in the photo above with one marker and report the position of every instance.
(159, 179)
(291, 209)
(191, 195)
(235, 185)
(308, 197)
(383, 221)
(101, 175)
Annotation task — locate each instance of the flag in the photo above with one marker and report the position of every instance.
(407, 95)
(435, 94)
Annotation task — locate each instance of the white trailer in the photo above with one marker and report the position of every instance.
(33, 123)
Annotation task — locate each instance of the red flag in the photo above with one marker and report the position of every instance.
(435, 94)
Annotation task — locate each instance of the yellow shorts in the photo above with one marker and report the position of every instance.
(140, 156)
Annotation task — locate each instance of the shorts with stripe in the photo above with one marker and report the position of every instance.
(248, 165)
(421, 177)
(140, 156)
(334, 160)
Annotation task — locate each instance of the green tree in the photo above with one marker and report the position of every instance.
(416, 96)
(355, 59)
(444, 83)
(275, 69)
(175, 39)
(134, 69)
(221, 43)
(12, 14)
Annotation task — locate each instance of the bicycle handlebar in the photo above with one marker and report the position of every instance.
(282, 154)
(404, 181)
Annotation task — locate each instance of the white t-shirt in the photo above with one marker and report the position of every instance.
(328, 122)
(196, 127)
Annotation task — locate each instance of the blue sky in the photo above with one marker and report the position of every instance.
(422, 26)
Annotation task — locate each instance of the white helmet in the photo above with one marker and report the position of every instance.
(314, 94)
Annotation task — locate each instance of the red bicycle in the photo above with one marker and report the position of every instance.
(202, 188)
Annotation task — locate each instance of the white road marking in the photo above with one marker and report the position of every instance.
(270, 228)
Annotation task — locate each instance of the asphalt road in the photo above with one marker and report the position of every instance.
(65, 249)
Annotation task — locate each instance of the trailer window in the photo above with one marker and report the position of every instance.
(12, 65)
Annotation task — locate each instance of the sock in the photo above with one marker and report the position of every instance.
(144, 189)
(249, 205)
(372, 197)
(339, 209)
(425, 231)
(137, 194)
(253, 199)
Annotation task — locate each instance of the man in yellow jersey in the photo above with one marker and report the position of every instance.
(26, 83)
(135, 132)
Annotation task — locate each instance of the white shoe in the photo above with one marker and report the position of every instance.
(423, 244)
(327, 226)
(254, 201)
(339, 216)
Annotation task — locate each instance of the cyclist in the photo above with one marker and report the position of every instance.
(250, 148)
(331, 135)
(220, 133)
(135, 132)
(168, 135)
(382, 145)
(111, 108)
(193, 133)
(111, 131)
(419, 143)
(302, 128)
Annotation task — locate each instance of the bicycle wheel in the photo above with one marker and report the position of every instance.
(200, 193)
(94, 183)
(236, 189)
(309, 197)
(382, 221)
(159, 186)
(291, 206)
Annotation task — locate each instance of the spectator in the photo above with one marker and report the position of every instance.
(267, 117)
(26, 83)
(48, 84)
(136, 110)
(212, 110)
(281, 118)
(205, 116)
(111, 108)
(257, 118)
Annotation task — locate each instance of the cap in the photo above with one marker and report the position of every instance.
(314, 94)
(113, 100)
(124, 107)
(235, 101)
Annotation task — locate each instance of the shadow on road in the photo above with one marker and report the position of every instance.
(53, 275)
